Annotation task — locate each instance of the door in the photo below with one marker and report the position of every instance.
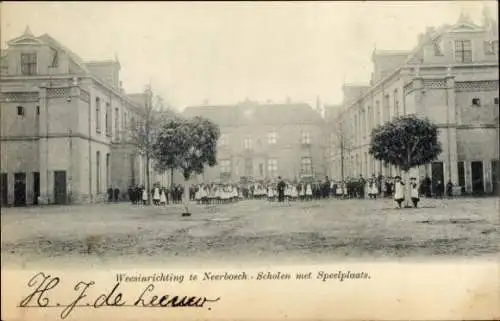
(36, 187)
(19, 189)
(461, 176)
(437, 176)
(3, 189)
(477, 177)
(495, 176)
(60, 187)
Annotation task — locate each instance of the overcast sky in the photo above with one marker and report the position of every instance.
(228, 51)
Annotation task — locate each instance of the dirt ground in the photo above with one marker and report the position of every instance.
(255, 231)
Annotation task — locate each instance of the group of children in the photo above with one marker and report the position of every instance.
(217, 194)
(224, 194)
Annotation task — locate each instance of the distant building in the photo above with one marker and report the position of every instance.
(451, 77)
(64, 125)
(264, 141)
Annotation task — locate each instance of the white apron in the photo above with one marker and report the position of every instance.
(163, 197)
(399, 191)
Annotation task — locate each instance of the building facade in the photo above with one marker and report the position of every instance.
(451, 77)
(264, 141)
(64, 122)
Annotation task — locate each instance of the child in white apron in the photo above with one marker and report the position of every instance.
(144, 197)
(163, 197)
(309, 192)
(156, 196)
(399, 194)
(339, 191)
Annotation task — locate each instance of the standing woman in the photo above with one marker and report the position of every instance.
(399, 193)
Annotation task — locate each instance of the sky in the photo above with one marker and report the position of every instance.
(226, 52)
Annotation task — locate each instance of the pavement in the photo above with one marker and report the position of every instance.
(250, 231)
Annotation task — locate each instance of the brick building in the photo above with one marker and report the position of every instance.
(63, 125)
(264, 141)
(451, 77)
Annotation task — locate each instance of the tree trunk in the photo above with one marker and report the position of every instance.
(171, 178)
(407, 179)
(407, 188)
(185, 197)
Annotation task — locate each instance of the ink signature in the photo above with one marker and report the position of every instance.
(42, 285)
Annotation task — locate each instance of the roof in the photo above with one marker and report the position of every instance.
(266, 114)
(49, 40)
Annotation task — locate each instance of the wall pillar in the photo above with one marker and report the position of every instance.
(488, 187)
(43, 148)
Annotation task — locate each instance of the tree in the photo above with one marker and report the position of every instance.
(406, 142)
(144, 128)
(189, 145)
(344, 144)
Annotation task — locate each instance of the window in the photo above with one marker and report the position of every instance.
(225, 166)
(396, 104)
(28, 64)
(38, 110)
(98, 115)
(491, 47)
(495, 100)
(386, 107)
(306, 166)
(306, 137)
(272, 167)
(108, 119)
(476, 102)
(463, 51)
(117, 122)
(98, 171)
(20, 111)
(248, 167)
(124, 121)
(271, 137)
(223, 140)
(377, 112)
(248, 143)
(108, 163)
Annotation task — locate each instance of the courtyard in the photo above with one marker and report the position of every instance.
(250, 231)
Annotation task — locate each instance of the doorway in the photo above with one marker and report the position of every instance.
(437, 177)
(36, 187)
(20, 189)
(3, 189)
(60, 187)
(477, 177)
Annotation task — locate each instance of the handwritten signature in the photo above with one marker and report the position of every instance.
(43, 285)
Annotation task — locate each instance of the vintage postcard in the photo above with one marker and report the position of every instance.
(250, 160)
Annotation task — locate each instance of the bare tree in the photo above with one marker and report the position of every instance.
(343, 144)
(144, 128)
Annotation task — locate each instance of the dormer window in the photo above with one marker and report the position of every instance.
(476, 102)
(28, 64)
(463, 51)
(20, 111)
(491, 47)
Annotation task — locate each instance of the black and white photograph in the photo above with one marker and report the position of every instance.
(194, 134)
